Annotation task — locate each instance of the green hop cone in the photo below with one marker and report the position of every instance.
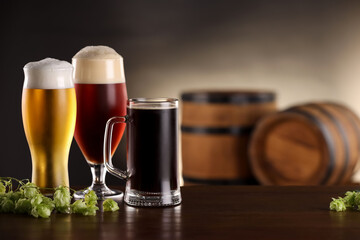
(356, 198)
(36, 200)
(48, 202)
(7, 206)
(86, 206)
(62, 199)
(91, 198)
(41, 210)
(15, 196)
(91, 210)
(23, 205)
(79, 206)
(30, 190)
(110, 205)
(3, 196)
(349, 199)
(2, 188)
(41, 206)
(337, 205)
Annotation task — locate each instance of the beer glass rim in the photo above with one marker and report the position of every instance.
(161, 102)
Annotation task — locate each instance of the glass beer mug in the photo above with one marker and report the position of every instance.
(152, 152)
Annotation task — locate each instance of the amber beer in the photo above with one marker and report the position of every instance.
(100, 94)
(96, 104)
(49, 115)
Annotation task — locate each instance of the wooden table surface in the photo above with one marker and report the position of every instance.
(207, 212)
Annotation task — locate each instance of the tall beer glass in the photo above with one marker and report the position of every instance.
(49, 113)
(101, 93)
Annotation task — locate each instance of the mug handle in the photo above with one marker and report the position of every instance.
(107, 148)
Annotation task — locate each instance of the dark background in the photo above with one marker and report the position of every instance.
(304, 50)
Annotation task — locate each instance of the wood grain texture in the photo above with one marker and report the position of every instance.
(218, 153)
(207, 212)
(224, 115)
(351, 139)
(215, 156)
(310, 144)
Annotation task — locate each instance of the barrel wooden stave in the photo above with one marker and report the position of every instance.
(273, 145)
(224, 115)
(198, 156)
(351, 137)
(215, 137)
(335, 146)
(355, 122)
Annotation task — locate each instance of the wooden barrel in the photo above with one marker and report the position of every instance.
(309, 144)
(216, 126)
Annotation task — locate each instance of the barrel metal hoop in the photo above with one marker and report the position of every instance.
(343, 136)
(352, 120)
(228, 98)
(328, 140)
(231, 130)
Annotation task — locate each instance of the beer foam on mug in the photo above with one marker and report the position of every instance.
(98, 65)
(48, 73)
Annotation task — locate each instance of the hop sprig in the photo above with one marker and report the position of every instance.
(337, 204)
(86, 206)
(29, 190)
(62, 199)
(351, 200)
(27, 199)
(23, 206)
(110, 205)
(2, 188)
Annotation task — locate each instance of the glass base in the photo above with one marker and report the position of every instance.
(149, 199)
(102, 192)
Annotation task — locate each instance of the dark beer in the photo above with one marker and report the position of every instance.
(96, 103)
(152, 149)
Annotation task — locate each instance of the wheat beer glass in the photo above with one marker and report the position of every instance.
(100, 93)
(49, 112)
(152, 152)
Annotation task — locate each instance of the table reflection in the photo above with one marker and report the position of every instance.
(127, 223)
(165, 222)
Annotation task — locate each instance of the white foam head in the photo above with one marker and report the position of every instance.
(48, 73)
(98, 65)
(97, 52)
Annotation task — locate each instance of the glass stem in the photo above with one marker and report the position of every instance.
(98, 173)
(98, 184)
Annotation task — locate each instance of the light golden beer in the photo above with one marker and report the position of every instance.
(49, 117)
